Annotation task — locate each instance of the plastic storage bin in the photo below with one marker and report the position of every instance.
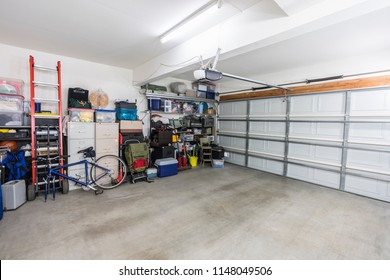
(201, 94)
(11, 102)
(11, 86)
(199, 86)
(166, 167)
(151, 173)
(217, 163)
(105, 116)
(11, 118)
(210, 95)
(81, 115)
(126, 114)
(154, 104)
(167, 106)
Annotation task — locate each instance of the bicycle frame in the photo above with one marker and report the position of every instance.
(56, 171)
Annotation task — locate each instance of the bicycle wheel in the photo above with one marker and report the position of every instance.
(111, 179)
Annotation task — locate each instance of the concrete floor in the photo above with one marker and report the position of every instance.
(229, 213)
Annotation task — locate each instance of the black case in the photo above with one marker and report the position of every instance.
(126, 105)
(78, 98)
(163, 152)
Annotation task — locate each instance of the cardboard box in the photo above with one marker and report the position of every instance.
(130, 126)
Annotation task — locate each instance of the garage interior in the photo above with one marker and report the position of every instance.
(293, 101)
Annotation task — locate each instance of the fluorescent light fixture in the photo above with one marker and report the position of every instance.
(191, 21)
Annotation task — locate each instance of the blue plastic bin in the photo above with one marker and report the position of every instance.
(154, 104)
(126, 114)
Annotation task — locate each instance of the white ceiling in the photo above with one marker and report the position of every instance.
(122, 33)
(125, 33)
(352, 38)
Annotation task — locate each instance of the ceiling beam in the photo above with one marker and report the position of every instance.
(317, 88)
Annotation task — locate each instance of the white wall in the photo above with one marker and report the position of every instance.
(116, 82)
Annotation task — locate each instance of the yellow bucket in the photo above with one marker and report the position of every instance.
(175, 138)
(193, 161)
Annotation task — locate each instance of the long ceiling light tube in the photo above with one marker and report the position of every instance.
(181, 26)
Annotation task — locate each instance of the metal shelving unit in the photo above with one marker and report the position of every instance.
(176, 97)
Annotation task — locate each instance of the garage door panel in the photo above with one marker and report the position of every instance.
(369, 159)
(321, 104)
(232, 142)
(235, 158)
(267, 165)
(331, 103)
(232, 126)
(370, 102)
(368, 187)
(313, 175)
(369, 133)
(331, 131)
(264, 128)
(266, 146)
(302, 104)
(268, 107)
(321, 154)
(232, 109)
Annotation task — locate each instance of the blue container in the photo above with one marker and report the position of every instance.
(166, 167)
(154, 104)
(126, 114)
(210, 95)
(1, 203)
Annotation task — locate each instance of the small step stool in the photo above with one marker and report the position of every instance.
(206, 151)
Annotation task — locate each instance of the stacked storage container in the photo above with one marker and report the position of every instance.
(126, 111)
(11, 102)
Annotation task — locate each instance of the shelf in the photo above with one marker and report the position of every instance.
(174, 96)
(46, 116)
(16, 139)
(15, 127)
(161, 112)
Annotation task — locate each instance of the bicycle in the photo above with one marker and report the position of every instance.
(106, 172)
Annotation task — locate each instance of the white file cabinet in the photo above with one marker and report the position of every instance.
(107, 143)
(81, 135)
(106, 139)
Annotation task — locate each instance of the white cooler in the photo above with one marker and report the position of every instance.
(14, 194)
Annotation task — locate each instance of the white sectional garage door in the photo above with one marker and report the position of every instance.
(338, 140)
